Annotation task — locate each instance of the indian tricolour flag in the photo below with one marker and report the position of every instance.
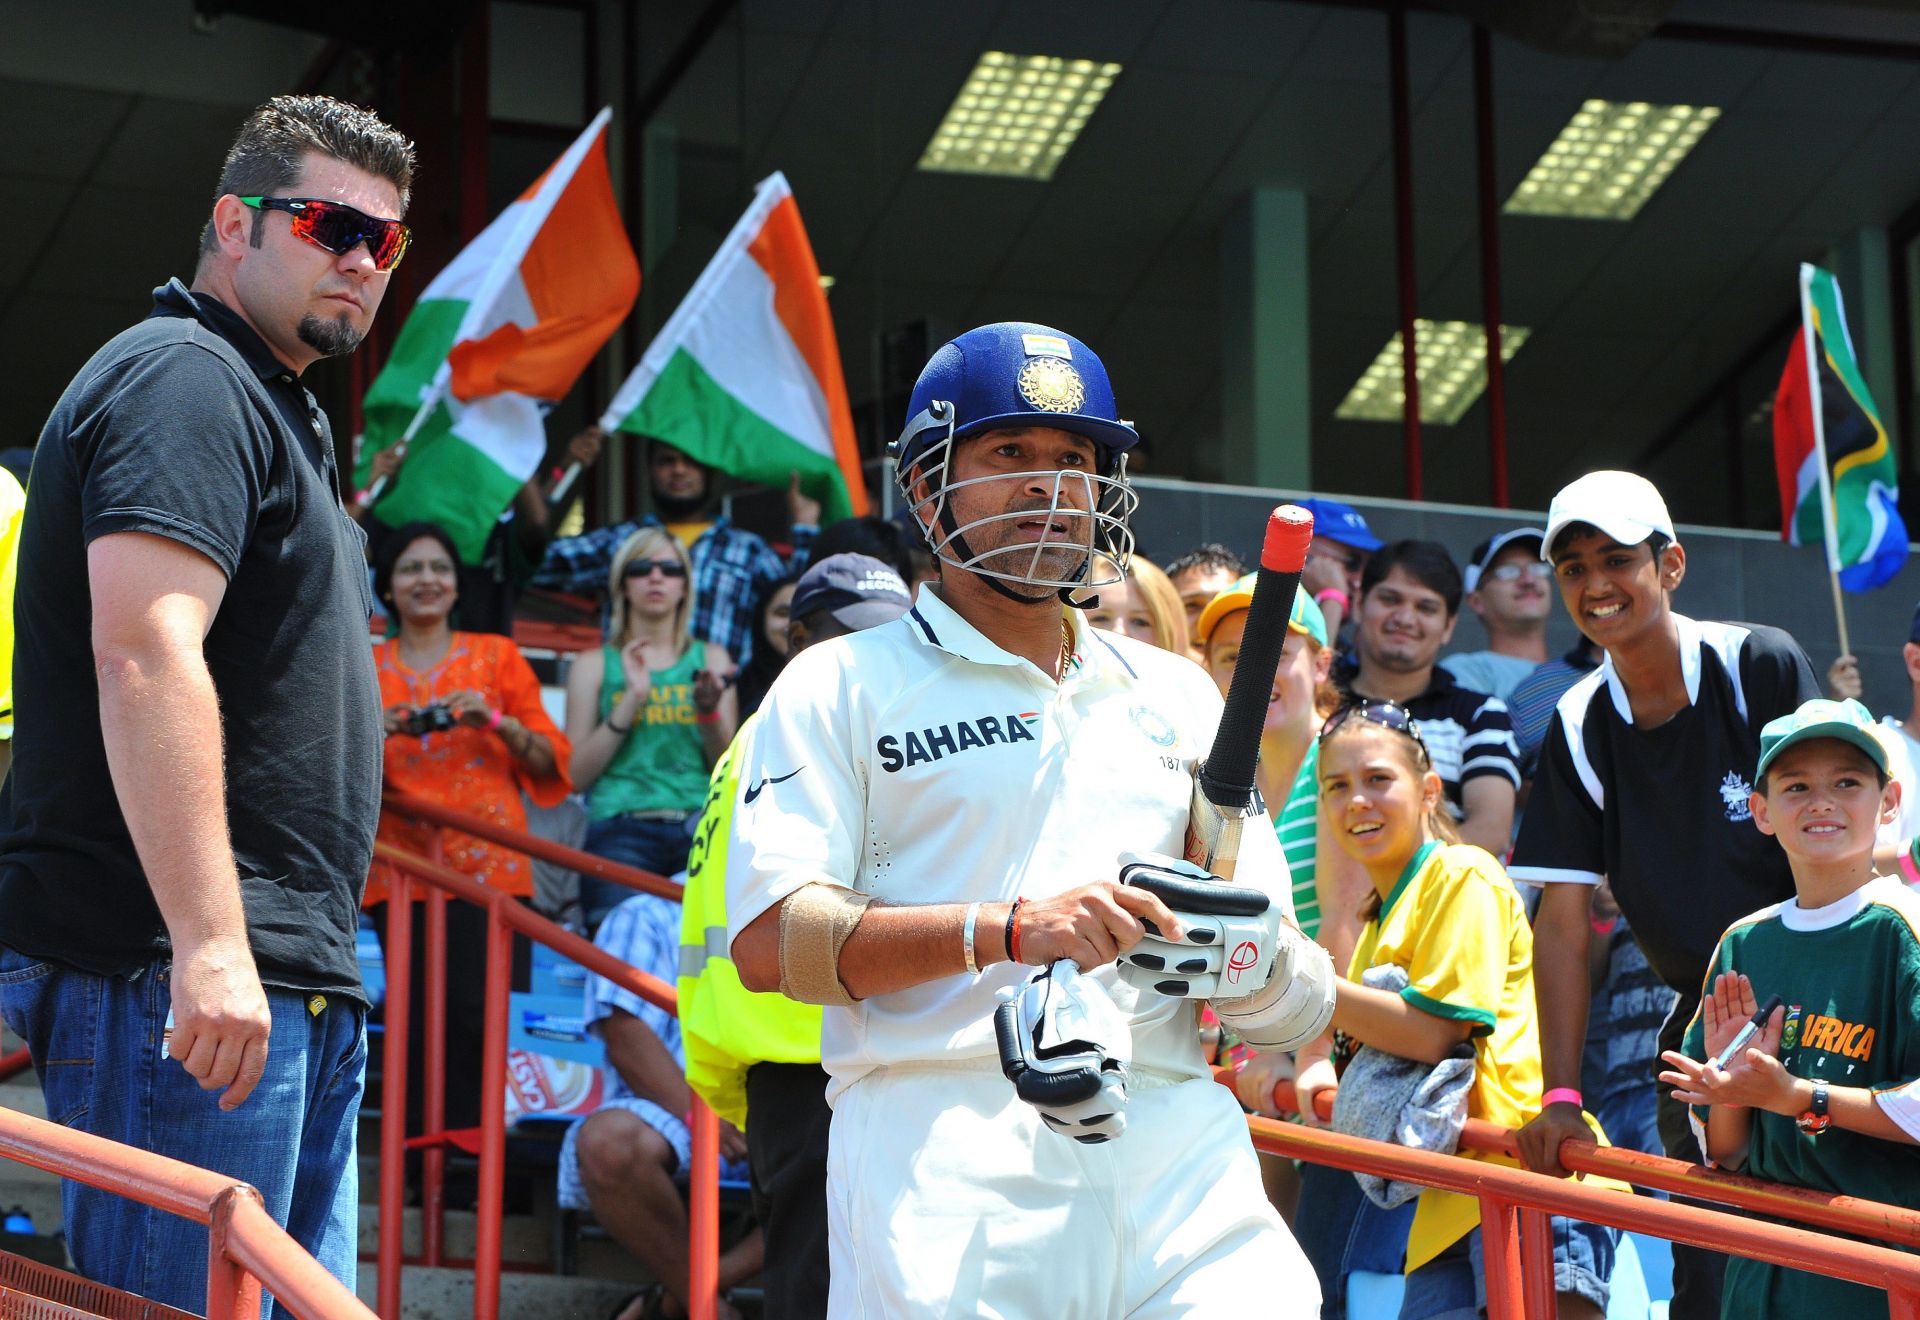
(499, 336)
(1838, 484)
(745, 375)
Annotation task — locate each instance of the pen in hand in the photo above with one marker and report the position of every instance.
(1739, 1042)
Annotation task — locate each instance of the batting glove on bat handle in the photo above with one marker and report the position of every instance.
(1228, 932)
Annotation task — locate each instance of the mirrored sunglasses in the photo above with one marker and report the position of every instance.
(337, 228)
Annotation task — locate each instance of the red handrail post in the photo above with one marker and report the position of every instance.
(1500, 1248)
(703, 1245)
(433, 1161)
(1903, 1304)
(393, 1089)
(1536, 1265)
(493, 1114)
(232, 1292)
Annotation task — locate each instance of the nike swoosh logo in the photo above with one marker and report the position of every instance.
(754, 790)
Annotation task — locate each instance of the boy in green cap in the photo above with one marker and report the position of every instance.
(1825, 1093)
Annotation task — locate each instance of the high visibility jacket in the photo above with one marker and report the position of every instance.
(726, 1027)
(13, 505)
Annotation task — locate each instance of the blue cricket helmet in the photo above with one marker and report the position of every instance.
(1013, 373)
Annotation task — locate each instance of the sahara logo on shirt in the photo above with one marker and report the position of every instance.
(1734, 792)
(932, 744)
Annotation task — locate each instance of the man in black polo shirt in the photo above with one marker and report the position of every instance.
(1409, 602)
(1644, 779)
(197, 757)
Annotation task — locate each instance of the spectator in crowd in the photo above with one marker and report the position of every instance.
(1508, 586)
(1342, 544)
(772, 608)
(191, 809)
(490, 586)
(1409, 602)
(1535, 696)
(729, 562)
(465, 729)
(1839, 1058)
(1201, 574)
(1623, 1030)
(1143, 604)
(1645, 777)
(622, 1160)
(1444, 914)
(748, 1053)
(648, 714)
(879, 538)
(1898, 835)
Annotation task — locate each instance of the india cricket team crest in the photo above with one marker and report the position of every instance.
(1790, 1030)
(1052, 385)
(1734, 792)
(1155, 725)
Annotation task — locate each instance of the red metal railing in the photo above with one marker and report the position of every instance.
(246, 1249)
(12, 1065)
(1518, 1244)
(504, 916)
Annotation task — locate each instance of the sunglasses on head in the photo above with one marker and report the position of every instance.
(337, 228)
(639, 568)
(1386, 714)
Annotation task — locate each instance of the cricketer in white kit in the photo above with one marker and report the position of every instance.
(907, 785)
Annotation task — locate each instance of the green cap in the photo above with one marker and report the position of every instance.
(1848, 721)
(1306, 617)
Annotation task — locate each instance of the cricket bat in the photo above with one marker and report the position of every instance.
(1224, 795)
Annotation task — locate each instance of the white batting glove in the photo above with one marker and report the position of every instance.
(1064, 1045)
(1229, 932)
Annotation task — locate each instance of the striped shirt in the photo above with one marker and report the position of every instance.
(1296, 826)
(1468, 734)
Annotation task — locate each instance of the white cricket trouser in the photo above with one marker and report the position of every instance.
(947, 1196)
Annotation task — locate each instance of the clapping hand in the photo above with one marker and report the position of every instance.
(708, 687)
(1754, 1076)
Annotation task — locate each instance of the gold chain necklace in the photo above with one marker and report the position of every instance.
(1066, 648)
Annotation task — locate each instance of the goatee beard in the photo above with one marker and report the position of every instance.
(335, 338)
(676, 508)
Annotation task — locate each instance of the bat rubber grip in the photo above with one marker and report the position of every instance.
(1289, 533)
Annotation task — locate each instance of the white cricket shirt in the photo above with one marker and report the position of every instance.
(920, 763)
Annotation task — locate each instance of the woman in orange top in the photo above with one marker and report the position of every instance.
(465, 727)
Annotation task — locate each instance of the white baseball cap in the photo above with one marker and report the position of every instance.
(1624, 505)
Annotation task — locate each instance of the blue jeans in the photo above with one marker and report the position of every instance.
(1453, 1285)
(660, 846)
(1341, 1232)
(96, 1043)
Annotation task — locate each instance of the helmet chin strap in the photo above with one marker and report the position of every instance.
(951, 526)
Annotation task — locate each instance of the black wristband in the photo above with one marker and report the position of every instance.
(1012, 912)
(617, 729)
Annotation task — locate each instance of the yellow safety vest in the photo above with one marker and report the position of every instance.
(725, 1027)
(13, 504)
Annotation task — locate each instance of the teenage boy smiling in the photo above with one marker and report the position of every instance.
(1644, 779)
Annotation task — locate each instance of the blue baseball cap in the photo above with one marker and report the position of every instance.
(1014, 373)
(1342, 523)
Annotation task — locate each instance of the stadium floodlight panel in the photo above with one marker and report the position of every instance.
(1610, 158)
(1016, 115)
(1450, 363)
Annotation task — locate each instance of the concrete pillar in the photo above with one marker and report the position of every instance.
(1265, 411)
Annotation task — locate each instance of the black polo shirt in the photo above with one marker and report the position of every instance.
(1662, 813)
(186, 426)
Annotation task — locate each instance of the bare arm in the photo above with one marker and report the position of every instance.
(1561, 939)
(898, 947)
(721, 703)
(153, 601)
(1342, 886)
(1388, 1022)
(594, 740)
(1488, 801)
(644, 1063)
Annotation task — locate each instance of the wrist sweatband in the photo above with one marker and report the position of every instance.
(1560, 1095)
(816, 921)
(1333, 593)
(708, 717)
(966, 938)
(494, 720)
(1603, 925)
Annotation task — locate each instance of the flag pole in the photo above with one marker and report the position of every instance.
(1828, 525)
(378, 488)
